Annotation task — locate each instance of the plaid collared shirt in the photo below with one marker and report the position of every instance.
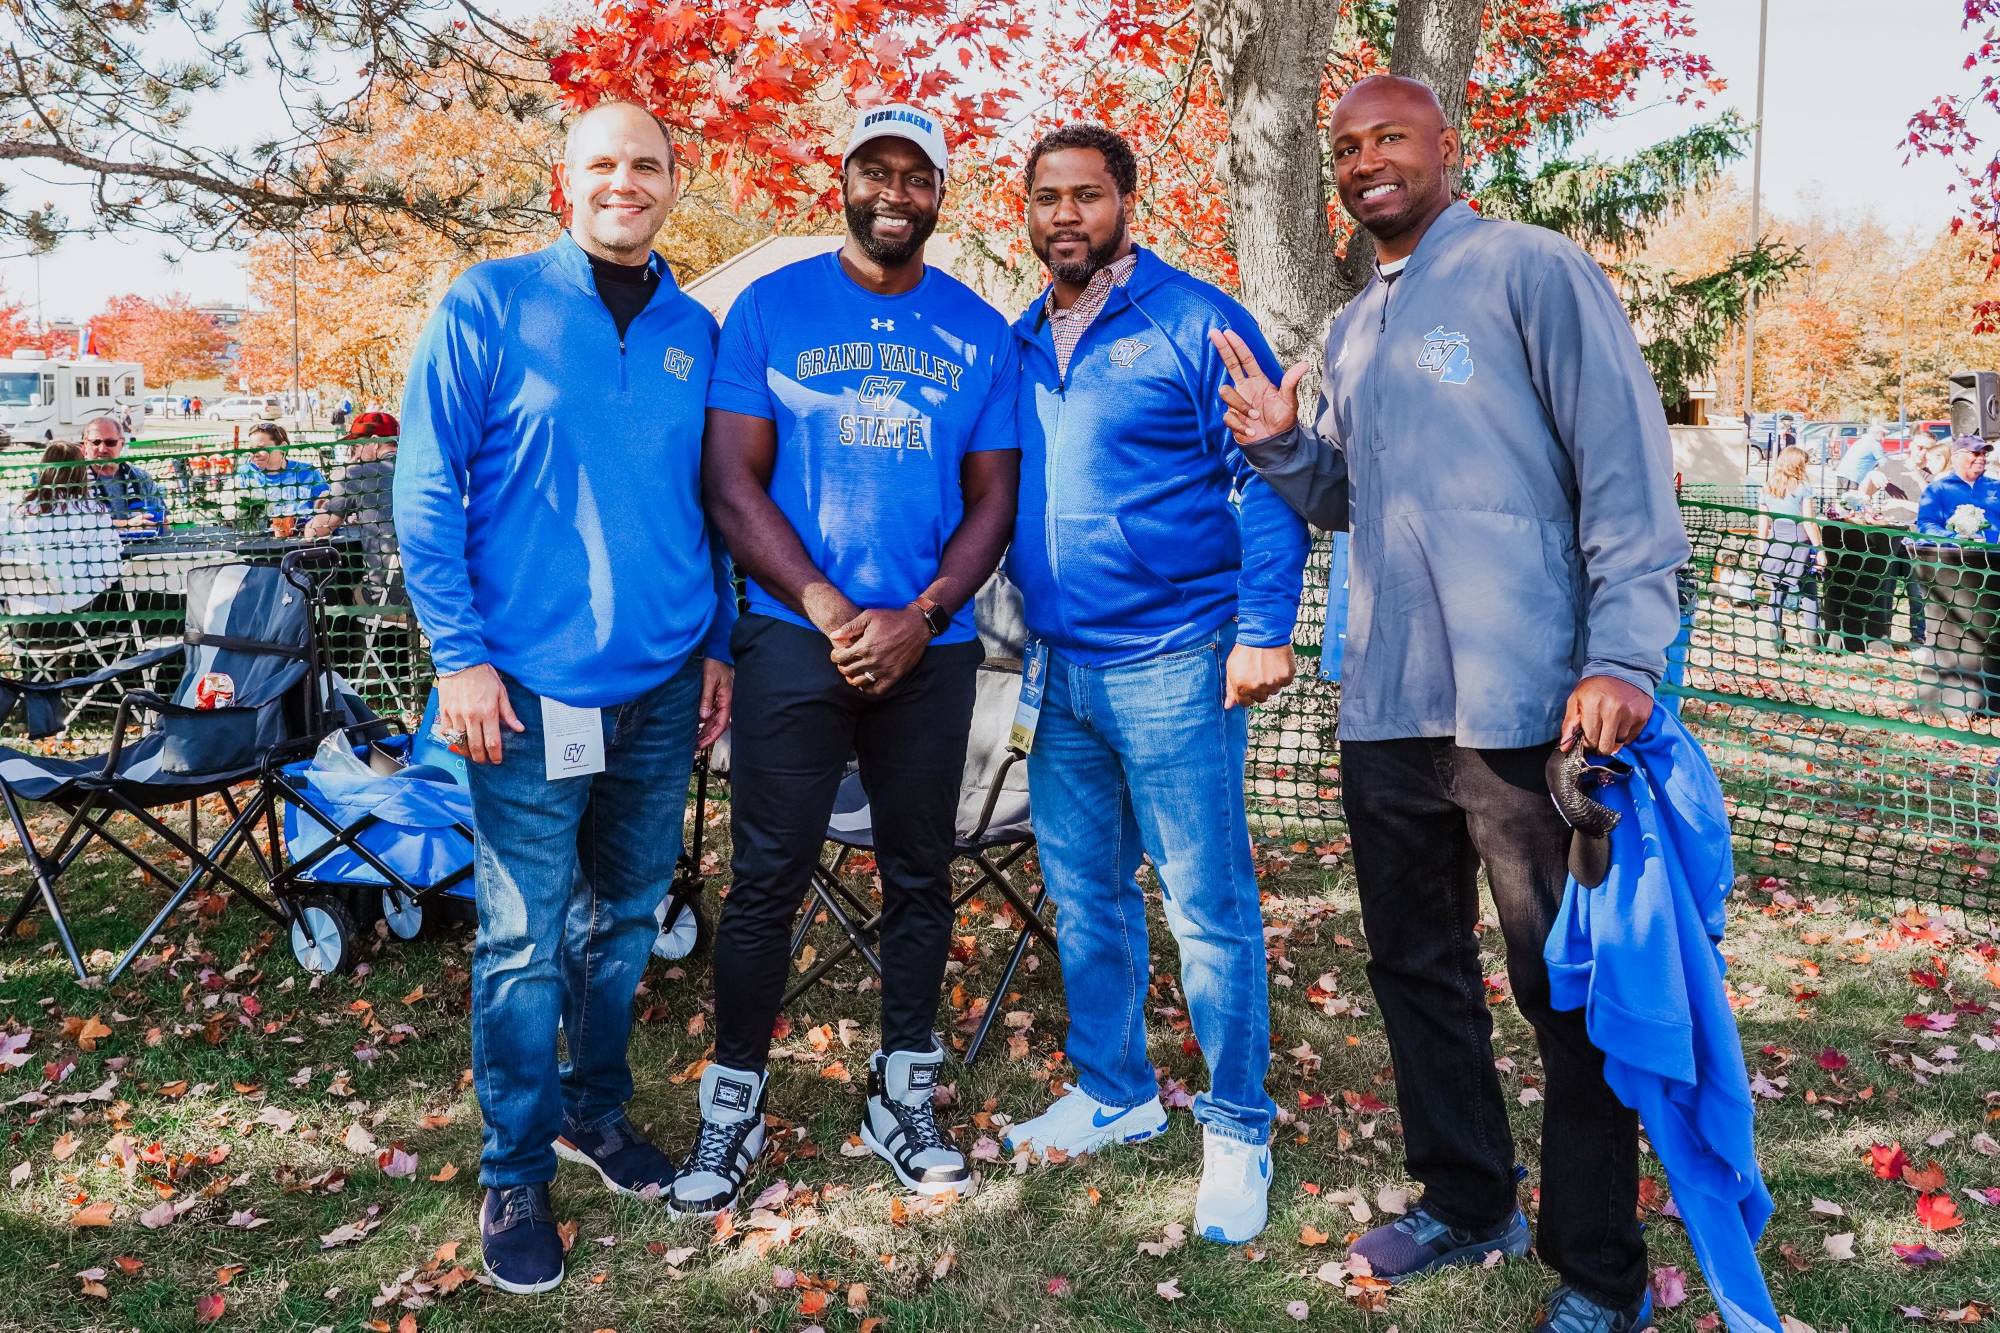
(1067, 326)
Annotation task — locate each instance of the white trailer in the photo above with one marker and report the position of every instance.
(45, 397)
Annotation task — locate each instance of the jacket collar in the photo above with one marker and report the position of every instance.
(574, 263)
(1149, 272)
(1443, 236)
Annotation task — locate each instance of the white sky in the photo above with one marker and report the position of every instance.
(1843, 77)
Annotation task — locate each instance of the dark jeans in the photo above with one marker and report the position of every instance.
(1424, 816)
(797, 722)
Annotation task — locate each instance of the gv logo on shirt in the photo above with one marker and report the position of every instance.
(1447, 356)
(1128, 350)
(678, 363)
(878, 391)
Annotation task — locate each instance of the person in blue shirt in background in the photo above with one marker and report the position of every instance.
(862, 461)
(290, 488)
(1862, 458)
(548, 505)
(127, 489)
(1965, 484)
(1161, 579)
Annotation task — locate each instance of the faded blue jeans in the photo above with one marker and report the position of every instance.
(568, 874)
(1138, 757)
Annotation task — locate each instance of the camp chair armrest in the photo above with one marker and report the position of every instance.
(12, 691)
(993, 791)
(134, 702)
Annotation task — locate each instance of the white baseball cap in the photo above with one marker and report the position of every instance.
(899, 121)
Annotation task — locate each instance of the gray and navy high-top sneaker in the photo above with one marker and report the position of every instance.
(900, 1123)
(731, 1136)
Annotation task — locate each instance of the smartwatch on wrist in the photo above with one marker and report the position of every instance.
(935, 619)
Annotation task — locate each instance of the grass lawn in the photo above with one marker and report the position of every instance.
(306, 1152)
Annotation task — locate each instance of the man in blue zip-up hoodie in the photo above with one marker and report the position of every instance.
(1161, 579)
(548, 505)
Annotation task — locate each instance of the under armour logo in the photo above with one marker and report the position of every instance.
(878, 391)
(880, 324)
(678, 363)
(1128, 350)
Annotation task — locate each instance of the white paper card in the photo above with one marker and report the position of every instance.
(572, 740)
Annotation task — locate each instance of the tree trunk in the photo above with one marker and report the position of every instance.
(1269, 57)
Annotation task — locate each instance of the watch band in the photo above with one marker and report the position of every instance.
(935, 620)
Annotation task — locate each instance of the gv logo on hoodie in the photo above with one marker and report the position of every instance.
(1128, 350)
(1447, 355)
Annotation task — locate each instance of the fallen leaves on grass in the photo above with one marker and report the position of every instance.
(1839, 1248)
(1170, 1240)
(1938, 1212)
(1669, 1286)
(1170, 1290)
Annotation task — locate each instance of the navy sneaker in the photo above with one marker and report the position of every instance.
(621, 1156)
(1570, 1311)
(517, 1232)
(1419, 1243)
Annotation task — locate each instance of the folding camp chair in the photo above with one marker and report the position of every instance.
(994, 831)
(259, 626)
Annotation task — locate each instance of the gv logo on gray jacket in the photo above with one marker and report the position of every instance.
(1447, 356)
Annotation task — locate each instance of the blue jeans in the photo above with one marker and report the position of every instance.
(1143, 757)
(568, 874)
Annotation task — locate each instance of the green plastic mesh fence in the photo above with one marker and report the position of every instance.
(94, 554)
(1845, 676)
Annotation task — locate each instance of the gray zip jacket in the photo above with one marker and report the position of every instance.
(1490, 435)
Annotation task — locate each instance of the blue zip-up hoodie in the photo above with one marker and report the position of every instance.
(1638, 955)
(1141, 529)
(548, 485)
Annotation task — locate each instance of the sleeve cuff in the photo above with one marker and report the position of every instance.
(742, 401)
(1638, 680)
(1273, 451)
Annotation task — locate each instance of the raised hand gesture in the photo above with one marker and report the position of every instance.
(1258, 409)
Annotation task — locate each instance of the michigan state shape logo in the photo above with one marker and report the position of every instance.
(1447, 356)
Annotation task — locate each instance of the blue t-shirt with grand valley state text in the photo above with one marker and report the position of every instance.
(877, 400)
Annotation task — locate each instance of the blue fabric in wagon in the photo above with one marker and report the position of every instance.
(1639, 954)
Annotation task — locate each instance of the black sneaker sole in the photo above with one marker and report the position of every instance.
(582, 1158)
(963, 1187)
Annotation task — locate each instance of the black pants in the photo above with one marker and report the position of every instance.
(797, 722)
(1424, 815)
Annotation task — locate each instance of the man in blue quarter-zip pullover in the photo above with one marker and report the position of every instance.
(548, 504)
(1523, 595)
(1161, 579)
(861, 460)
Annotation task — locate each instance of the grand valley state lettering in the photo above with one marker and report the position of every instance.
(896, 358)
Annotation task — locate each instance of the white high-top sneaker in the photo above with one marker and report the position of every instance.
(900, 1123)
(1076, 1123)
(1233, 1202)
(730, 1137)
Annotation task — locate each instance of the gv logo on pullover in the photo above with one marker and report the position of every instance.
(1447, 355)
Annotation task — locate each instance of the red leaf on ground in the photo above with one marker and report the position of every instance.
(1928, 1180)
(209, 1308)
(1832, 1061)
(1887, 1161)
(1939, 1212)
(1917, 1255)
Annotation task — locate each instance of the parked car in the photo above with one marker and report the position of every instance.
(162, 403)
(1826, 441)
(1899, 439)
(1766, 427)
(257, 407)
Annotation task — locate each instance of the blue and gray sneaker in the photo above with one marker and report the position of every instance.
(1419, 1243)
(621, 1156)
(518, 1236)
(1570, 1311)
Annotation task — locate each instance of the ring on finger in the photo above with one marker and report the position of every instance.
(868, 676)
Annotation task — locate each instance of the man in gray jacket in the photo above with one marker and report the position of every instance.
(1519, 598)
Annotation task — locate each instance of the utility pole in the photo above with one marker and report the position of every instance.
(1756, 222)
(298, 404)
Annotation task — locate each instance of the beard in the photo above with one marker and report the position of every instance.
(1077, 272)
(861, 226)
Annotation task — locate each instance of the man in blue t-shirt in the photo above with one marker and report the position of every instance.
(861, 463)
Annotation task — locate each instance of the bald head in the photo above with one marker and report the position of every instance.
(1392, 153)
(617, 173)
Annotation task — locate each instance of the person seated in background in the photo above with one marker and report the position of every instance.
(290, 488)
(60, 540)
(360, 499)
(128, 491)
(1965, 484)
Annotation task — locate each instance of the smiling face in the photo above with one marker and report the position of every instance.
(103, 442)
(1968, 465)
(891, 194)
(617, 173)
(1077, 221)
(1391, 152)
